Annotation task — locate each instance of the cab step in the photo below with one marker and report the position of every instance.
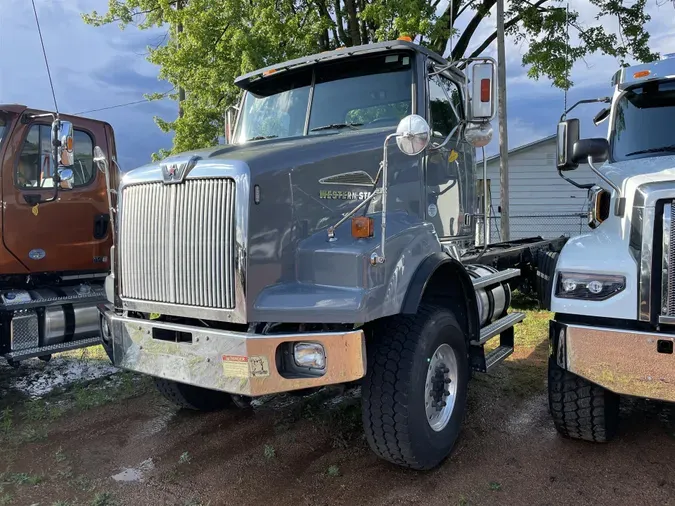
(484, 362)
(497, 327)
(497, 277)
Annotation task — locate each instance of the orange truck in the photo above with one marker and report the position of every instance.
(56, 231)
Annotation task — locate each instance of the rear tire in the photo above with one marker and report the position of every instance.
(546, 262)
(192, 397)
(401, 352)
(581, 409)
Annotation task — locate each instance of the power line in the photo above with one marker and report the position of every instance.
(111, 107)
(44, 53)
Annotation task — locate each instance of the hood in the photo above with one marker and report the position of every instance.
(630, 174)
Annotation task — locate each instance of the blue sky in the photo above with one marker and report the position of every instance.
(94, 68)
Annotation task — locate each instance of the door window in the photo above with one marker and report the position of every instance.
(34, 168)
(444, 105)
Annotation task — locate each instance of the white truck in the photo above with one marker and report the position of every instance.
(613, 292)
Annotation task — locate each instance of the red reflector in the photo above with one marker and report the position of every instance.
(484, 90)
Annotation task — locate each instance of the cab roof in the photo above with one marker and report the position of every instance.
(638, 74)
(245, 80)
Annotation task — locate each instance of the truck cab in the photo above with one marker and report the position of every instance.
(331, 242)
(613, 293)
(56, 237)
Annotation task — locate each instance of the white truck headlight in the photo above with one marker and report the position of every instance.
(575, 285)
(310, 355)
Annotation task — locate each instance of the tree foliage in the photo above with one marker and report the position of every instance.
(210, 42)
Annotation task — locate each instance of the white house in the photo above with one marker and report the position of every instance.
(541, 203)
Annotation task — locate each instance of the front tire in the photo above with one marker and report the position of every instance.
(407, 416)
(581, 409)
(192, 397)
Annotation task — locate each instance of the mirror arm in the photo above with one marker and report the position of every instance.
(604, 100)
(586, 186)
(620, 201)
(447, 139)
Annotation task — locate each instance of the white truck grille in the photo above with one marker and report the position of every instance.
(177, 243)
(668, 271)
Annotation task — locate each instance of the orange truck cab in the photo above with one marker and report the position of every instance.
(56, 231)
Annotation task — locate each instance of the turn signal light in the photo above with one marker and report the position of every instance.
(362, 227)
(405, 38)
(484, 90)
(269, 72)
(642, 73)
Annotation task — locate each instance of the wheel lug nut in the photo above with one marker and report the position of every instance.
(447, 380)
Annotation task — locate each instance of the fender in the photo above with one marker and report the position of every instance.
(441, 275)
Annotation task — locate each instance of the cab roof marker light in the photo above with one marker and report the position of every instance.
(641, 73)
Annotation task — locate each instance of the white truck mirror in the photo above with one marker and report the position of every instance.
(568, 135)
(483, 92)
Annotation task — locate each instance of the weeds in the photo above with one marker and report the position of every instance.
(463, 501)
(269, 452)
(62, 503)
(495, 486)
(6, 499)
(6, 422)
(59, 456)
(333, 471)
(185, 458)
(103, 499)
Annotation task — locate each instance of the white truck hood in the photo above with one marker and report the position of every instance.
(630, 174)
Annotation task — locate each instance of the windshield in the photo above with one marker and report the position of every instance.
(367, 92)
(643, 122)
(3, 127)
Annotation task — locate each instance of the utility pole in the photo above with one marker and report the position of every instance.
(503, 136)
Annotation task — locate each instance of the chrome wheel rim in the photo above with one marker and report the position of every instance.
(440, 387)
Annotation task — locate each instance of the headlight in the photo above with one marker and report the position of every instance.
(598, 206)
(574, 285)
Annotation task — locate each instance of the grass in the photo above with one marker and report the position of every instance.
(269, 452)
(6, 499)
(20, 479)
(495, 486)
(184, 458)
(333, 471)
(103, 499)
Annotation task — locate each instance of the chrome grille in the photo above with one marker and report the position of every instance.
(177, 243)
(668, 272)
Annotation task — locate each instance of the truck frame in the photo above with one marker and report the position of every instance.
(309, 251)
(55, 231)
(613, 292)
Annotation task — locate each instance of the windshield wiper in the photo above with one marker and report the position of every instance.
(663, 149)
(261, 137)
(337, 126)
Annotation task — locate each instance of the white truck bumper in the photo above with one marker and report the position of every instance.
(640, 364)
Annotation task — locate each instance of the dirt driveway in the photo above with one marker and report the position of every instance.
(113, 440)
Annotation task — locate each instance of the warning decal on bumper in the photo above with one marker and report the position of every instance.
(235, 366)
(239, 366)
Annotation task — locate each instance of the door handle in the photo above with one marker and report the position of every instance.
(101, 222)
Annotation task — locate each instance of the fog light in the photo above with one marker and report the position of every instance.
(310, 355)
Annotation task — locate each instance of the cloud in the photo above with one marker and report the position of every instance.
(91, 68)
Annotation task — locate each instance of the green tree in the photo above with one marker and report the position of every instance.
(210, 42)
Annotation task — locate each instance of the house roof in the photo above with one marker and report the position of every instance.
(524, 147)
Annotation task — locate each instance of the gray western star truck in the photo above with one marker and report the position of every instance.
(332, 241)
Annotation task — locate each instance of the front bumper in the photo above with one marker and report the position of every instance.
(640, 364)
(234, 362)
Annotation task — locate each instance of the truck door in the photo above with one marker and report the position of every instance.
(449, 178)
(71, 233)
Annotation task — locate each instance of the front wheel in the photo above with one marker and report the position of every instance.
(192, 397)
(414, 393)
(581, 409)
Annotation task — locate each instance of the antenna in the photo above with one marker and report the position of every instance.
(44, 53)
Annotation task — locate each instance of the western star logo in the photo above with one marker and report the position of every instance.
(343, 195)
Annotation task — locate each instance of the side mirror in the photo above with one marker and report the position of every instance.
(483, 92)
(413, 135)
(66, 179)
(568, 135)
(230, 120)
(597, 149)
(478, 134)
(62, 143)
(601, 116)
(100, 160)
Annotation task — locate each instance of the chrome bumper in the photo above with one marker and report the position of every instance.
(234, 362)
(640, 364)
